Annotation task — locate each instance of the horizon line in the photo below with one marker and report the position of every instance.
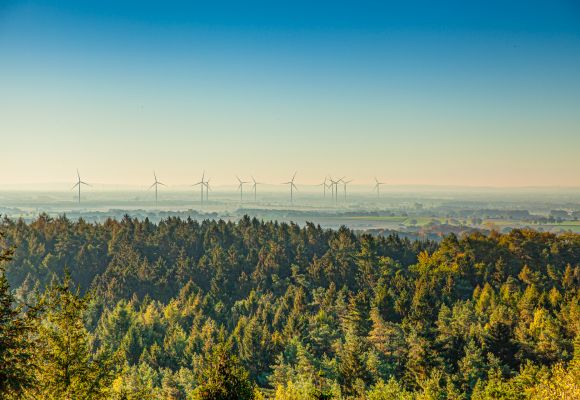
(183, 186)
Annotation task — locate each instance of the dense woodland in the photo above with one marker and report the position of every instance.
(249, 310)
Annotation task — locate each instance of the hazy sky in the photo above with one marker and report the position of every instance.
(415, 92)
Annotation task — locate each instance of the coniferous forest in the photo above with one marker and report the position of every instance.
(254, 310)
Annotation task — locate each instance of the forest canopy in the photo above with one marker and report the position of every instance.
(250, 309)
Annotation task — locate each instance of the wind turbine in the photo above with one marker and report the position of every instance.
(156, 184)
(344, 183)
(79, 184)
(378, 186)
(202, 184)
(292, 187)
(324, 185)
(207, 189)
(331, 186)
(241, 187)
(334, 187)
(255, 186)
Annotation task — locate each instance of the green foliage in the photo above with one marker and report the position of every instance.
(136, 382)
(391, 390)
(17, 340)
(224, 379)
(217, 310)
(68, 367)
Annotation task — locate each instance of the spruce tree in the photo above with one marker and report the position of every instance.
(68, 367)
(224, 378)
(17, 340)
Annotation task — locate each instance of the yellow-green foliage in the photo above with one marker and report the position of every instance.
(562, 383)
(391, 390)
(254, 310)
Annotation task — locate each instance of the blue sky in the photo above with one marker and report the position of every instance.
(439, 93)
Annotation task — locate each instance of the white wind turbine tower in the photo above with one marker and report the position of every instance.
(156, 184)
(79, 184)
(202, 184)
(324, 185)
(344, 183)
(207, 189)
(292, 187)
(255, 187)
(378, 186)
(331, 186)
(334, 187)
(241, 187)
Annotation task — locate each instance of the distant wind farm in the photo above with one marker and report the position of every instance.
(328, 184)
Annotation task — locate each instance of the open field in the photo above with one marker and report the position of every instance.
(573, 226)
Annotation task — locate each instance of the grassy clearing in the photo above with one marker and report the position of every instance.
(573, 226)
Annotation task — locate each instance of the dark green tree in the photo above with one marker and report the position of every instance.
(17, 340)
(69, 368)
(223, 378)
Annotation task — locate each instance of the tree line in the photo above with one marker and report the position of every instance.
(182, 309)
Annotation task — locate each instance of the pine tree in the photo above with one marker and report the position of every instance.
(68, 368)
(17, 340)
(389, 340)
(391, 390)
(136, 383)
(499, 340)
(352, 367)
(224, 378)
(472, 366)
